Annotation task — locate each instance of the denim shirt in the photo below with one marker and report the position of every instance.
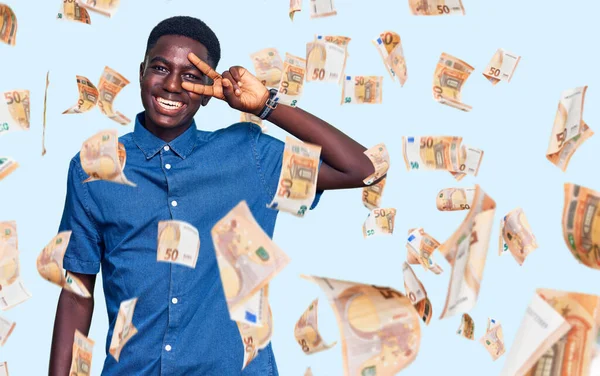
(181, 314)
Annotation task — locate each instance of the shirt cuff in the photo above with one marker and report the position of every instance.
(78, 266)
(319, 193)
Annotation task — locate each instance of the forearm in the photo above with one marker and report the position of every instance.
(72, 313)
(337, 149)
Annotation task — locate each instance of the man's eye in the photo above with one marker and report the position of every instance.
(191, 76)
(159, 68)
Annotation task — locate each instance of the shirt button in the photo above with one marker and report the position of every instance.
(173, 203)
(168, 166)
(166, 148)
(174, 300)
(168, 347)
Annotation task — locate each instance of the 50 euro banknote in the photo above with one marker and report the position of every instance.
(449, 78)
(466, 250)
(362, 89)
(14, 111)
(326, 58)
(390, 49)
(297, 186)
(379, 327)
(569, 130)
(436, 7)
(441, 153)
(560, 328)
(581, 224)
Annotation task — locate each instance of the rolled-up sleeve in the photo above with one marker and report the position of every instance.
(268, 152)
(85, 248)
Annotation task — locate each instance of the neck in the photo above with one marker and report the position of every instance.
(165, 134)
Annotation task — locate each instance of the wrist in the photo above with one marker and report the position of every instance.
(269, 104)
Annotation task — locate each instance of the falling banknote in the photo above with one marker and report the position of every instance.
(581, 224)
(103, 157)
(6, 328)
(372, 194)
(379, 222)
(247, 258)
(449, 77)
(292, 80)
(295, 6)
(251, 118)
(12, 290)
(14, 111)
(493, 339)
(4, 369)
(111, 83)
(502, 67)
(419, 248)
(389, 46)
(44, 114)
(559, 329)
(441, 153)
(255, 338)
(322, 8)
(71, 10)
(307, 331)
(362, 89)
(569, 130)
(516, 236)
(268, 67)
(326, 58)
(124, 328)
(50, 265)
(8, 25)
(178, 243)
(466, 251)
(436, 7)
(467, 327)
(104, 7)
(7, 166)
(415, 291)
(297, 186)
(379, 327)
(380, 158)
(452, 199)
(81, 359)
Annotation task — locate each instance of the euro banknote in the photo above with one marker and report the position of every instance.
(516, 236)
(124, 328)
(569, 130)
(103, 157)
(379, 327)
(449, 78)
(502, 66)
(307, 331)
(581, 224)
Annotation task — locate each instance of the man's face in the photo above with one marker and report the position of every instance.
(166, 103)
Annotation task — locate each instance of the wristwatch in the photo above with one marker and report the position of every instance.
(270, 104)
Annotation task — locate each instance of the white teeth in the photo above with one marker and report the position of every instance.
(165, 103)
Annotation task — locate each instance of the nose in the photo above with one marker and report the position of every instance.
(172, 82)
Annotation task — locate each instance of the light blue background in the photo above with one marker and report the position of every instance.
(510, 122)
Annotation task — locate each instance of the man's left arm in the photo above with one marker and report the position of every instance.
(344, 163)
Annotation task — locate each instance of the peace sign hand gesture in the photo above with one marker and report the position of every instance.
(236, 86)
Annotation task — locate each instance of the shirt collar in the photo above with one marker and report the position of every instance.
(149, 144)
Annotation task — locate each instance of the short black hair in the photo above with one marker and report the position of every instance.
(190, 27)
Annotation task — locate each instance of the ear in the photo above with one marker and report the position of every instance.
(142, 68)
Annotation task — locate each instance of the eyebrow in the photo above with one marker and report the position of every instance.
(167, 62)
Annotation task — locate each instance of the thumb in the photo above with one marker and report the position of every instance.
(228, 91)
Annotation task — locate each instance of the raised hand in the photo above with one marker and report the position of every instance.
(236, 86)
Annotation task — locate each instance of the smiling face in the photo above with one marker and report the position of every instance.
(169, 108)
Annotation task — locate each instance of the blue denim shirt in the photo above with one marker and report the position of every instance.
(181, 314)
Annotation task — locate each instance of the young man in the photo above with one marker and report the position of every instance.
(191, 175)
